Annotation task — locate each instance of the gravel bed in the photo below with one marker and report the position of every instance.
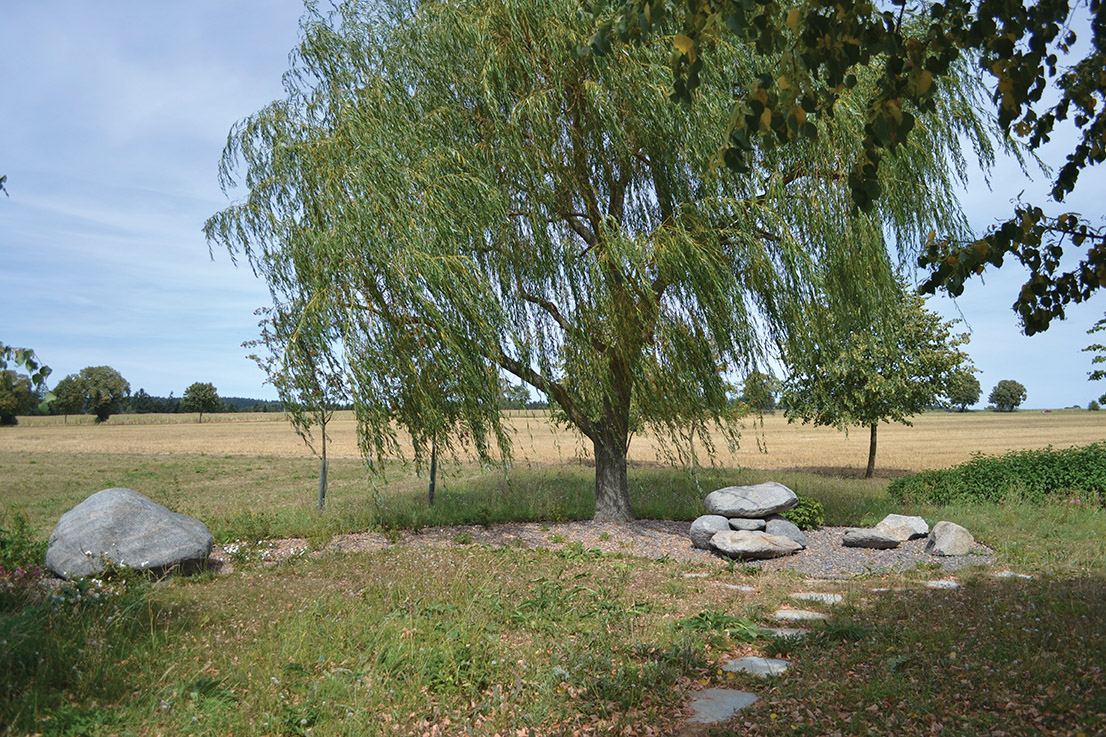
(824, 557)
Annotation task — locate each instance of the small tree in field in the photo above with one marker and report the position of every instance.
(759, 391)
(105, 390)
(1007, 395)
(69, 396)
(963, 389)
(310, 383)
(848, 373)
(200, 397)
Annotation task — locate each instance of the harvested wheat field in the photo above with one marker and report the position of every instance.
(936, 440)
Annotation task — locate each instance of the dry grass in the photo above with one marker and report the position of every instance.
(937, 439)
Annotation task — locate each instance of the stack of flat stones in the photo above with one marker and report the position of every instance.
(744, 522)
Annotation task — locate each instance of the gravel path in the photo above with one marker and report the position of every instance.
(825, 556)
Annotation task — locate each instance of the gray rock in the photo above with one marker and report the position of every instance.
(712, 705)
(942, 584)
(949, 538)
(867, 538)
(818, 596)
(760, 500)
(777, 525)
(748, 545)
(902, 527)
(785, 632)
(1012, 574)
(763, 667)
(704, 528)
(127, 529)
(799, 615)
(747, 523)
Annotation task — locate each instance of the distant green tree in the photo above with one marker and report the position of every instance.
(1093, 406)
(17, 396)
(963, 389)
(69, 396)
(1007, 395)
(760, 390)
(201, 397)
(105, 391)
(845, 373)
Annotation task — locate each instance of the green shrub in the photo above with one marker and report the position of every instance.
(808, 515)
(1093, 406)
(1027, 474)
(19, 548)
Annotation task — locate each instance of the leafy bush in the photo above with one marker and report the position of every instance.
(19, 548)
(808, 515)
(1093, 406)
(1033, 474)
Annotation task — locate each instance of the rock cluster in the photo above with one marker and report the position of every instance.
(124, 528)
(946, 538)
(745, 522)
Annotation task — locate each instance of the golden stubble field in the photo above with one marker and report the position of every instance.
(936, 440)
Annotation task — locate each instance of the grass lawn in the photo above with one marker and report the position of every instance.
(469, 640)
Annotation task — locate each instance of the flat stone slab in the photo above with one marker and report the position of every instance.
(736, 587)
(1011, 574)
(696, 575)
(747, 523)
(867, 538)
(713, 705)
(799, 615)
(763, 667)
(788, 632)
(942, 584)
(747, 545)
(759, 500)
(818, 596)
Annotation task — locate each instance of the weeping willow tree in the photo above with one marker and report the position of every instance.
(455, 191)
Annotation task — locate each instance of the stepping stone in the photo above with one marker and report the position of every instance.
(763, 667)
(1011, 574)
(942, 584)
(713, 705)
(696, 575)
(735, 587)
(797, 615)
(817, 596)
(788, 632)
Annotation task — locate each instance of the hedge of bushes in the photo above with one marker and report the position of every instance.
(1077, 472)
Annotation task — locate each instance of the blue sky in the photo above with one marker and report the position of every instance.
(114, 118)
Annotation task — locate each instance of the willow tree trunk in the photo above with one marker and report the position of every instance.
(871, 454)
(612, 492)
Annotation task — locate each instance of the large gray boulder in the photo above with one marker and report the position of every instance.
(760, 500)
(779, 525)
(949, 538)
(127, 529)
(705, 527)
(750, 545)
(903, 528)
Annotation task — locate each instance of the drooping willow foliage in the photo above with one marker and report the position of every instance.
(453, 190)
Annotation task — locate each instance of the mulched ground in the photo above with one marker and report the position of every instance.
(824, 557)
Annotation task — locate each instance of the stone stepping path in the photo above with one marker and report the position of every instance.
(763, 667)
(799, 615)
(1011, 574)
(736, 587)
(817, 596)
(713, 705)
